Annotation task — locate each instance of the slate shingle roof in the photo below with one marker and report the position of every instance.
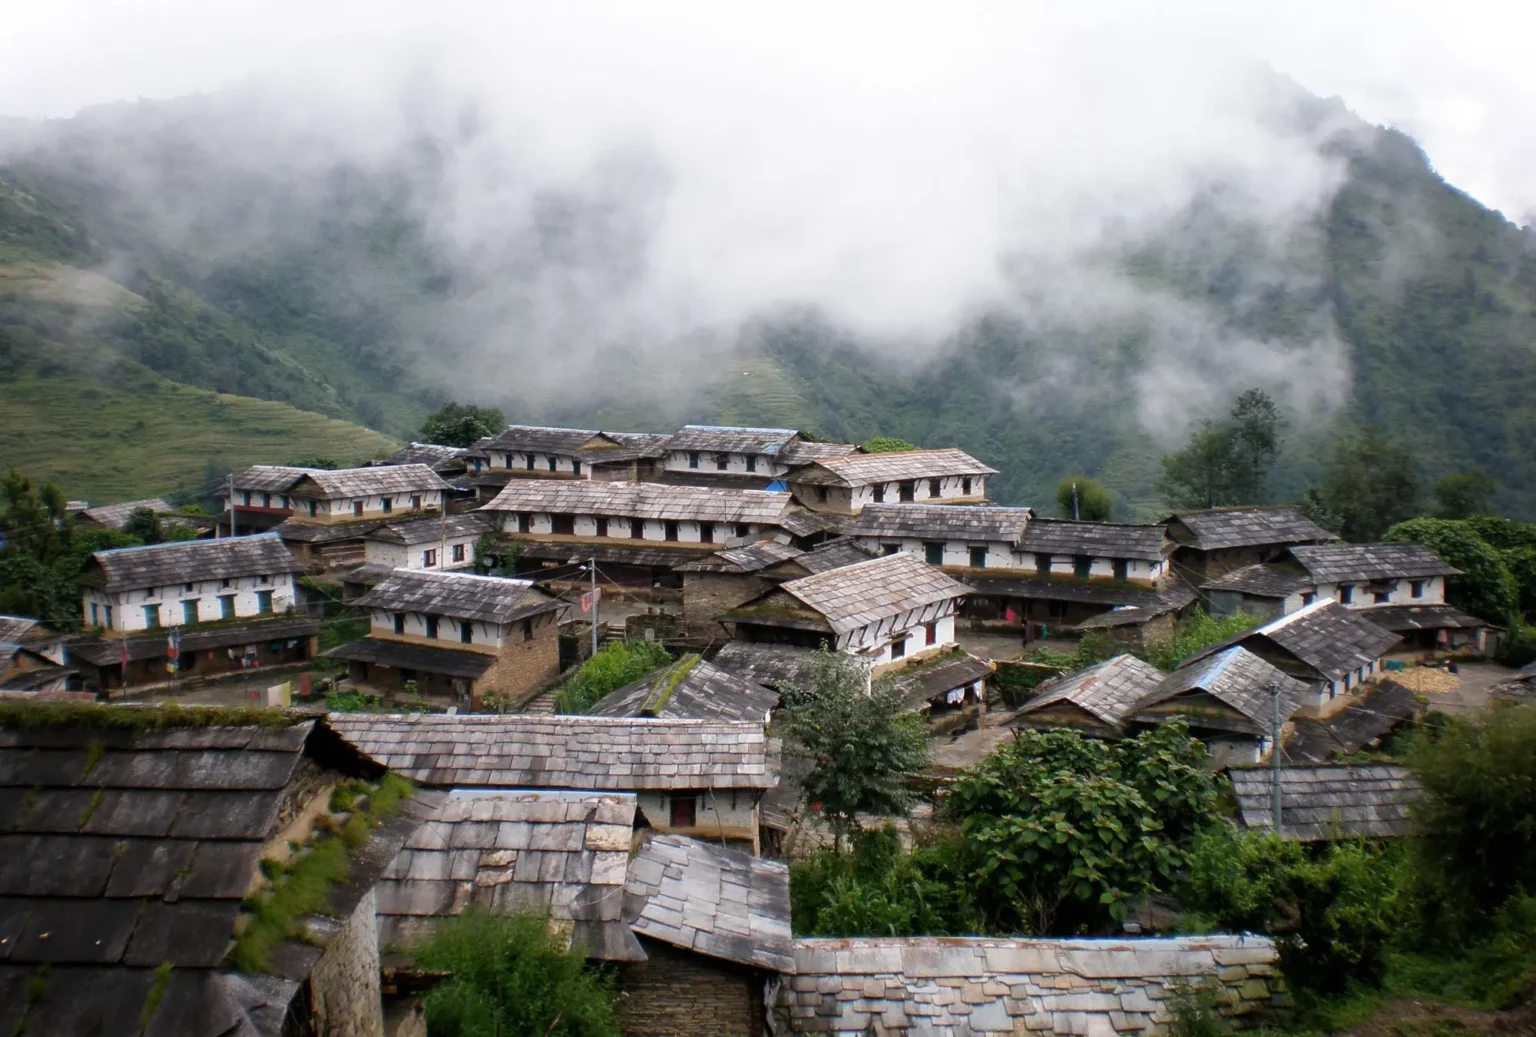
(942, 522)
(1095, 539)
(542, 439)
(802, 452)
(929, 679)
(368, 482)
(808, 523)
(1107, 690)
(858, 595)
(271, 478)
(1091, 592)
(749, 558)
(1333, 563)
(1261, 581)
(569, 752)
(325, 532)
(566, 853)
(1218, 528)
(429, 529)
(108, 651)
(1327, 637)
(863, 469)
(1381, 710)
(126, 849)
(713, 900)
(192, 561)
(690, 689)
(642, 500)
(435, 456)
(834, 554)
(115, 516)
(731, 439)
(491, 599)
(1328, 801)
(765, 664)
(617, 553)
(446, 662)
(1237, 678)
(14, 630)
(1408, 618)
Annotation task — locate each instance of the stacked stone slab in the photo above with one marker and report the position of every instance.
(956, 987)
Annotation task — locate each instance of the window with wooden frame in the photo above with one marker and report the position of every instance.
(386, 505)
(879, 489)
(431, 622)
(637, 529)
(979, 557)
(671, 530)
(357, 509)
(751, 462)
(562, 525)
(466, 632)
(693, 459)
(722, 462)
(684, 810)
(930, 634)
(458, 552)
(706, 532)
(933, 552)
(601, 523)
(907, 492)
(528, 629)
(935, 488)
(899, 648)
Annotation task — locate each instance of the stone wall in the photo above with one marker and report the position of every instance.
(523, 668)
(706, 595)
(344, 991)
(964, 986)
(677, 993)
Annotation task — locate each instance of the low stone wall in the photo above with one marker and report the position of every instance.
(957, 987)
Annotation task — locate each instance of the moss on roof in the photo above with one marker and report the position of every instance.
(33, 715)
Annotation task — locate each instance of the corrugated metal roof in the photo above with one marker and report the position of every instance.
(642, 500)
(493, 599)
(1328, 801)
(1335, 563)
(942, 522)
(863, 469)
(191, 561)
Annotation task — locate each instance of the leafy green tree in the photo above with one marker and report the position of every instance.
(327, 464)
(886, 445)
(35, 520)
(1486, 588)
(1257, 426)
(1198, 631)
(509, 975)
(859, 747)
(1226, 463)
(1065, 831)
(880, 890)
(1369, 485)
(1462, 495)
(458, 424)
(614, 666)
(145, 525)
(1078, 496)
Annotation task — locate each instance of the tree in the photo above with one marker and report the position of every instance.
(1463, 495)
(35, 521)
(1257, 426)
(315, 461)
(509, 975)
(1226, 463)
(1080, 497)
(458, 424)
(616, 665)
(859, 746)
(1369, 485)
(886, 445)
(1486, 587)
(145, 524)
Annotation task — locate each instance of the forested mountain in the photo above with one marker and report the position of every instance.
(186, 238)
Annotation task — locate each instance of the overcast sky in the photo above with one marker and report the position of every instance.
(1460, 77)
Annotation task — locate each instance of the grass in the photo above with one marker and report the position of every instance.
(120, 438)
(35, 715)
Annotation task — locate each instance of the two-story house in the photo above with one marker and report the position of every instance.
(752, 458)
(211, 605)
(260, 501)
(725, 579)
(333, 512)
(881, 611)
(443, 543)
(456, 637)
(447, 461)
(542, 452)
(1213, 541)
(1401, 587)
(638, 532)
(844, 485)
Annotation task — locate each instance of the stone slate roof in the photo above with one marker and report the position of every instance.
(749, 558)
(1408, 618)
(642, 500)
(402, 655)
(1336, 563)
(730, 439)
(1108, 690)
(271, 478)
(433, 528)
(712, 900)
(975, 522)
(764, 664)
(618, 552)
(929, 679)
(490, 599)
(1089, 592)
(15, 630)
(1327, 637)
(1237, 678)
(858, 595)
(834, 554)
(368, 482)
(326, 532)
(568, 752)
(1378, 712)
(802, 452)
(434, 456)
(115, 516)
(808, 523)
(542, 439)
(863, 469)
(1217, 528)
(108, 651)
(1060, 537)
(1262, 581)
(126, 849)
(1328, 801)
(969, 986)
(191, 561)
(690, 689)
(566, 853)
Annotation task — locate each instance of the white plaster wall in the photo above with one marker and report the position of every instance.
(400, 503)
(128, 606)
(736, 464)
(517, 460)
(716, 808)
(619, 528)
(382, 624)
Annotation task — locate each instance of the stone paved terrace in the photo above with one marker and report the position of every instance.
(959, 987)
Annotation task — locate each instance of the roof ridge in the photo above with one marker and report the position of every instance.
(265, 535)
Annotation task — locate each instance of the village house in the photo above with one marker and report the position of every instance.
(445, 543)
(1384, 708)
(761, 663)
(129, 859)
(844, 485)
(1215, 541)
(880, 611)
(1400, 587)
(727, 455)
(33, 659)
(948, 688)
(116, 516)
(1329, 801)
(725, 579)
(540, 452)
(260, 501)
(1228, 700)
(690, 689)
(689, 777)
(350, 494)
(456, 637)
(1095, 700)
(1335, 651)
(949, 535)
(447, 461)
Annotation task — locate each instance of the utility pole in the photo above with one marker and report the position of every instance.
(1075, 516)
(1274, 756)
(593, 570)
(442, 553)
(232, 505)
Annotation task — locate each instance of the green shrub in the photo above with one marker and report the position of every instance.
(611, 668)
(878, 889)
(1197, 632)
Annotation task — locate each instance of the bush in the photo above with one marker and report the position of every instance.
(878, 889)
(510, 976)
(1198, 631)
(610, 669)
